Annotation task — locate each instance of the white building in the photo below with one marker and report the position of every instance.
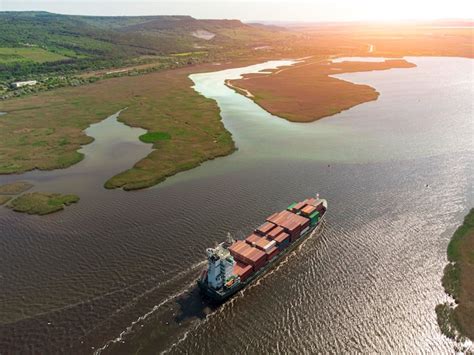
(19, 84)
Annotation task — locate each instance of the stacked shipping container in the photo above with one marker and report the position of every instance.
(292, 223)
(279, 230)
(247, 254)
(265, 228)
(242, 270)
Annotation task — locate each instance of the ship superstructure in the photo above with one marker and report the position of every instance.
(234, 264)
(220, 266)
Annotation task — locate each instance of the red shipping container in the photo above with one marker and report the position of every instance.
(308, 210)
(243, 270)
(238, 247)
(274, 232)
(281, 238)
(272, 253)
(252, 239)
(264, 244)
(257, 258)
(298, 206)
(241, 251)
(265, 228)
(310, 201)
(258, 266)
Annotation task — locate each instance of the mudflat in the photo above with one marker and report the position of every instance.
(307, 92)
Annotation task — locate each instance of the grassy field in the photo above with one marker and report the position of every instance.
(306, 92)
(153, 137)
(41, 203)
(15, 188)
(45, 131)
(4, 199)
(458, 282)
(31, 54)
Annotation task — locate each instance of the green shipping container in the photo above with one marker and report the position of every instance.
(314, 217)
(290, 207)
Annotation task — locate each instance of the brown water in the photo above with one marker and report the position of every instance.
(117, 270)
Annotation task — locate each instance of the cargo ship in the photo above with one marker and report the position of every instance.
(232, 265)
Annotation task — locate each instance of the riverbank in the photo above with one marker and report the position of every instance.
(124, 255)
(457, 320)
(46, 131)
(308, 92)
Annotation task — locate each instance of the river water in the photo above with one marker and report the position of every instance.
(117, 270)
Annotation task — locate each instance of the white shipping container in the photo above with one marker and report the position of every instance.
(269, 245)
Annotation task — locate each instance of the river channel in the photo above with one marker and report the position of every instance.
(116, 272)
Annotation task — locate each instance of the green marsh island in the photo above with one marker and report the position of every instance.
(13, 196)
(15, 188)
(41, 203)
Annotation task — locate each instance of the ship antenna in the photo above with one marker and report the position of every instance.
(230, 239)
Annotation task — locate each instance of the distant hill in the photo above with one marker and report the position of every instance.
(82, 42)
(92, 35)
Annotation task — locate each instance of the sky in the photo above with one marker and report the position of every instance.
(269, 10)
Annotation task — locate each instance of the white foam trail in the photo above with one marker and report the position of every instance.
(241, 293)
(154, 309)
(142, 318)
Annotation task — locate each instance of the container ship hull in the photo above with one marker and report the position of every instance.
(215, 284)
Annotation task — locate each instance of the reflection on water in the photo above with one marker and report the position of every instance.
(115, 148)
(125, 263)
(360, 59)
(380, 130)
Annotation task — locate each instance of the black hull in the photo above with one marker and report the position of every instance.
(220, 296)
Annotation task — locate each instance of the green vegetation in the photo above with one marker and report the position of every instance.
(62, 52)
(152, 137)
(62, 48)
(447, 320)
(457, 320)
(29, 54)
(15, 188)
(187, 54)
(4, 199)
(40, 45)
(184, 127)
(41, 203)
(307, 92)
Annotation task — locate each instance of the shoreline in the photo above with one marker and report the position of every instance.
(205, 127)
(311, 93)
(456, 319)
